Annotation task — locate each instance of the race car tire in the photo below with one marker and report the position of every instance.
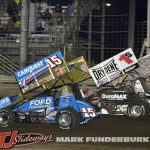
(7, 118)
(138, 110)
(67, 118)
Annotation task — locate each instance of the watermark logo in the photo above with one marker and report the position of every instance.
(103, 139)
(10, 139)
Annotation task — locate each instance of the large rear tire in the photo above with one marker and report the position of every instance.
(138, 110)
(67, 118)
(7, 118)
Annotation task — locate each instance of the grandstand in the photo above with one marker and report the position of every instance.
(77, 27)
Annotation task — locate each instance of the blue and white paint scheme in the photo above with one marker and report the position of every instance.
(34, 70)
(4, 102)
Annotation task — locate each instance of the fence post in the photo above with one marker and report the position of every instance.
(24, 32)
(103, 31)
(131, 23)
(89, 38)
(148, 27)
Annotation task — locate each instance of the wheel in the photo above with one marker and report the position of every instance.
(138, 110)
(7, 118)
(67, 118)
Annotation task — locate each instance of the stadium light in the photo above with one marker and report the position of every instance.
(108, 4)
(17, 40)
(70, 44)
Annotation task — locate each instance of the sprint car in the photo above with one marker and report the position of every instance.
(125, 100)
(129, 94)
(51, 74)
(68, 110)
(51, 106)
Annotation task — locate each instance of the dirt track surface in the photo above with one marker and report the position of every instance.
(106, 126)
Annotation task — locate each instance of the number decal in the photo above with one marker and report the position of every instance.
(126, 58)
(88, 112)
(54, 61)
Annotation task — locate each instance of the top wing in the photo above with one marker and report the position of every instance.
(78, 72)
(50, 72)
(143, 71)
(144, 66)
(114, 67)
(40, 72)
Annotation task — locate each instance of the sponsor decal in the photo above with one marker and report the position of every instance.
(85, 71)
(54, 61)
(111, 67)
(59, 71)
(30, 69)
(130, 68)
(114, 96)
(114, 67)
(105, 72)
(43, 80)
(41, 103)
(88, 112)
(48, 68)
(98, 73)
(4, 102)
(10, 139)
(126, 57)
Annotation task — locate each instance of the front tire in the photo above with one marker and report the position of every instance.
(7, 118)
(138, 110)
(67, 118)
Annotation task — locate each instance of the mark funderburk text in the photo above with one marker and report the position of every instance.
(102, 139)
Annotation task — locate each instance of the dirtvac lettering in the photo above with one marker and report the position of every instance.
(98, 73)
(111, 67)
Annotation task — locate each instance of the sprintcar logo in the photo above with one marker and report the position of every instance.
(114, 96)
(111, 67)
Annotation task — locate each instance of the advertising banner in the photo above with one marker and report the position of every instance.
(40, 72)
(114, 67)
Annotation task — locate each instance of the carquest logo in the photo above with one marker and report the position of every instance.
(114, 96)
